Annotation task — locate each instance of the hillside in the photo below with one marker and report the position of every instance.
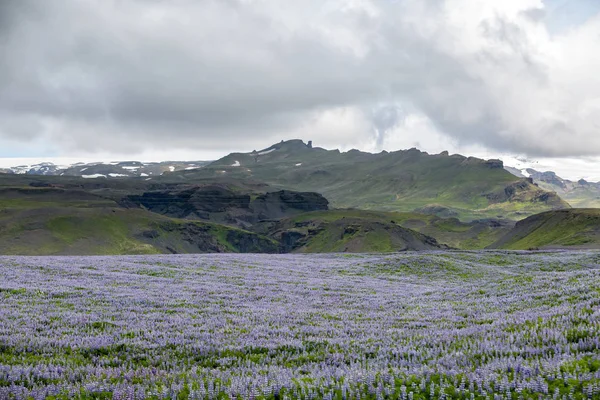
(339, 231)
(580, 194)
(320, 230)
(572, 229)
(58, 221)
(51, 221)
(443, 184)
(290, 197)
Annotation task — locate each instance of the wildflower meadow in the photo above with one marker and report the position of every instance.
(436, 325)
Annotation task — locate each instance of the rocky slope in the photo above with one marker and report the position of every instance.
(66, 215)
(580, 194)
(64, 222)
(220, 203)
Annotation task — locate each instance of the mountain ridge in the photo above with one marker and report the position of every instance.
(112, 170)
(403, 180)
(579, 194)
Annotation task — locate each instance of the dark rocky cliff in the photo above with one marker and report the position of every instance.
(225, 205)
(285, 203)
(195, 202)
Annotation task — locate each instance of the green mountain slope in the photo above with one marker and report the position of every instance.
(320, 230)
(54, 221)
(468, 188)
(336, 231)
(573, 229)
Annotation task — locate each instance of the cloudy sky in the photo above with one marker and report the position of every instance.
(195, 79)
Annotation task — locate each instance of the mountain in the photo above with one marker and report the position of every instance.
(580, 194)
(571, 229)
(123, 169)
(289, 197)
(447, 185)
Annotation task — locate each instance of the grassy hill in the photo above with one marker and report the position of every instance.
(85, 221)
(572, 229)
(335, 231)
(42, 221)
(57, 221)
(359, 230)
(468, 188)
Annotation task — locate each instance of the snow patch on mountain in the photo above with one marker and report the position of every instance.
(94, 176)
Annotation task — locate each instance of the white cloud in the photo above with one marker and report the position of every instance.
(125, 77)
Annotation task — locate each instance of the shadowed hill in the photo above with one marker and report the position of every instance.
(468, 188)
(316, 231)
(47, 221)
(349, 235)
(573, 229)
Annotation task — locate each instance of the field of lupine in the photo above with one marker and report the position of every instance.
(454, 325)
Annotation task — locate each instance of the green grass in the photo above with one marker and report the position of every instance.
(111, 231)
(333, 240)
(449, 231)
(567, 228)
(110, 234)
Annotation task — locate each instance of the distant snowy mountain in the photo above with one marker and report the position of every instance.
(113, 170)
(579, 194)
(574, 169)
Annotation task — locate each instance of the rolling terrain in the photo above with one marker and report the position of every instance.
(378, 231)
(292, 197)
(406, 181)
(41, 221)
(67, 218)
(570, 229)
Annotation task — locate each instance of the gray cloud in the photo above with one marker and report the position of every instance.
(109, 75)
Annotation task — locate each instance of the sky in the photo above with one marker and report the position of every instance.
(197, 79)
